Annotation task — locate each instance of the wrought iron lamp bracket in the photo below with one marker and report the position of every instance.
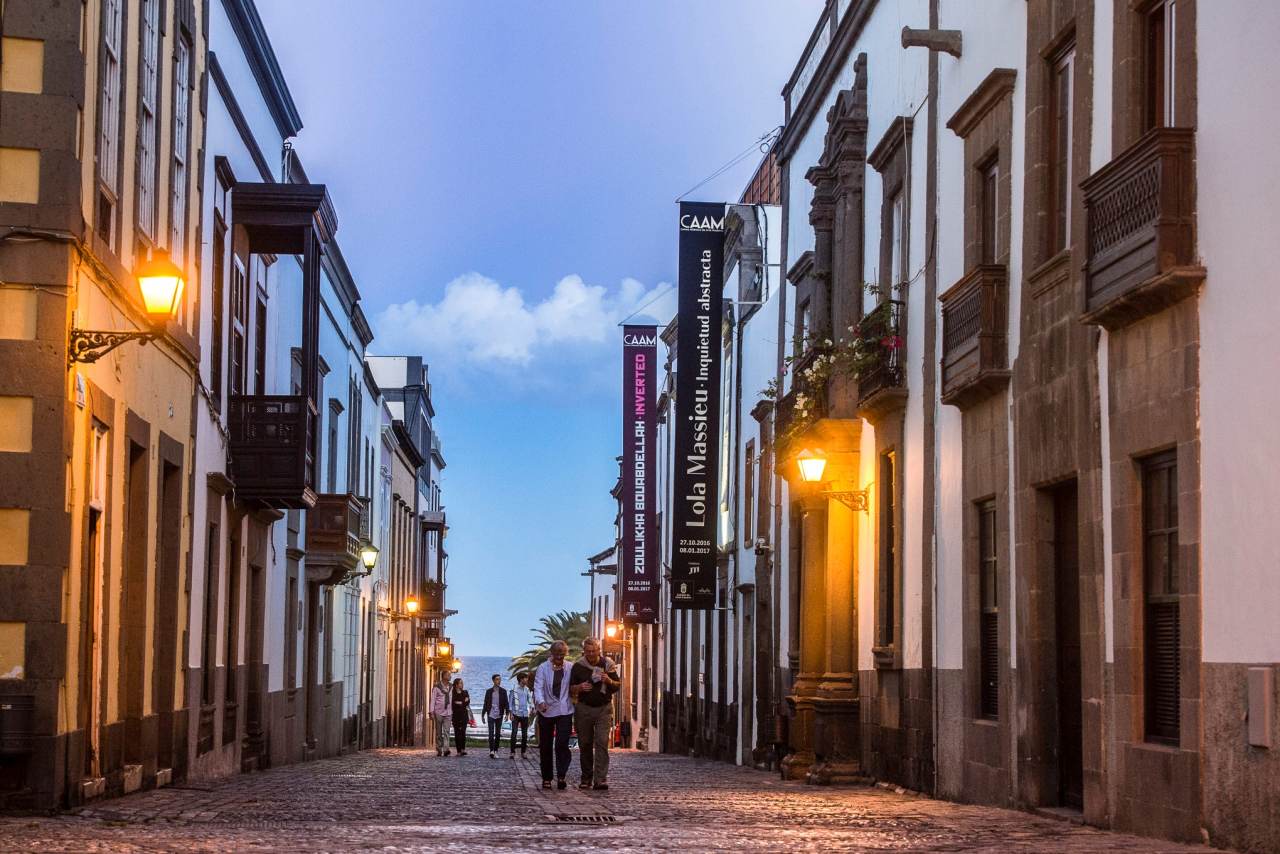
(90, 345)
(854, 499)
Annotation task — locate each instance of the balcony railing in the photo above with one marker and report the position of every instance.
(1141, 229)
(333, 537)
(974, 340)
(883, 384)
(272, 449)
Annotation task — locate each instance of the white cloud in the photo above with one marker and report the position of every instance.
(478, 323)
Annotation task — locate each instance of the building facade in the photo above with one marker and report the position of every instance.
(205, 566)
(1013, 322)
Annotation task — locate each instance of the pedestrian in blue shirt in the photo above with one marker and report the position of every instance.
(521, 705)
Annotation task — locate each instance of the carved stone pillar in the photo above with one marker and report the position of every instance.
(836, 722)
(813, 631)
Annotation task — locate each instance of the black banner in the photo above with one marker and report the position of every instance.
(697, 433)
(638, 563)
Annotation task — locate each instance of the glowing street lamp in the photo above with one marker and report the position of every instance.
(612, 629)
(456, 667)
(160, 283)
(368, 556)
(811, 464)
(444, 648)
(411, 605)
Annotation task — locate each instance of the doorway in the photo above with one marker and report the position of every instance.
(1066, 597)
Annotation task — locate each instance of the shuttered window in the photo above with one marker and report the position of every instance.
(109, 117)
(148, 98)
(1162, 658)
(989, 614)
(181, 150)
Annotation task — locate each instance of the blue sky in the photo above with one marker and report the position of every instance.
(505, 176)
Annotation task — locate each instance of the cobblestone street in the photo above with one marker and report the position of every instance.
(401, 800)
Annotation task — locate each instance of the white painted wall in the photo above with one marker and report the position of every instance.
(1238, 195)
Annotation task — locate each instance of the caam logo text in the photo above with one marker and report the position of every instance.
(693, 222)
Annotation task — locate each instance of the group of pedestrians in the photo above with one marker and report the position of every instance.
(564, 697)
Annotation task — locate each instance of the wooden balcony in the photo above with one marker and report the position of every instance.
(882, 388)
(974, 338)
(433, 520)
(333, 538)
(272, 450)
(432, 598)
(1141, 230)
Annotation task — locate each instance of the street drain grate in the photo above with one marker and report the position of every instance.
(583, 819)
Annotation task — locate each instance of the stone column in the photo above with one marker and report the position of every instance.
(813, 633)
(836, 737)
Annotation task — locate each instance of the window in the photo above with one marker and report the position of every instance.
(148, 123)
(239, 325)
(749, 495)
(897, 230)
(219, 270)
(1160, 68)
(887, 578)
(1060, 126)
(109, 117)
(181, 150)
(260, 348)
(803, 324)
(989, 613)
(988, 211)
(1161, 659)
(335, 412)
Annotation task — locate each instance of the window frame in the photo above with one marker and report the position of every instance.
(888, 604)
(988, 209)
(1061, 118)
(147, 213)
(988, 565)
(181, 150)
(1160, 595)
(110, 118)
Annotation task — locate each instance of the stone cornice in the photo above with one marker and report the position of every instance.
(997, 85)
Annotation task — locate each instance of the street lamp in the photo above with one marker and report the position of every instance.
(811, 464)
(160, 283)
(411, 605)
(456, 667)
(444, 648)
(368, 556)
(612, 629)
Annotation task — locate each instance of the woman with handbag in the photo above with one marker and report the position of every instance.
(461, 717)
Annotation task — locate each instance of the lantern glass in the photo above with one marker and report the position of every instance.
(811, 464)
(161, 284)
(456, 666)
(411, 605)
(369, 556)
(444, 648)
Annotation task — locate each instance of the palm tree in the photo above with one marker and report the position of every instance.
(568, 626)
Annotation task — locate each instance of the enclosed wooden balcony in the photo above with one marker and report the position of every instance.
(334, 529)
(271, 446)
(432, 598)
(974, 338)
(1141, 229)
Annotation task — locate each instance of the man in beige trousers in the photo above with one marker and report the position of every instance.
(594, 680)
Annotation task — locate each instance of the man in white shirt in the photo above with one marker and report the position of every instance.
(521, 699)
(555, 714)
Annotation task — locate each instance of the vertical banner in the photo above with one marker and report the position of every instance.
(638, 563)
(697, 433)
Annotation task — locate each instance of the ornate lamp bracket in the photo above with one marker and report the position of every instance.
(89, 345)
(854, 499)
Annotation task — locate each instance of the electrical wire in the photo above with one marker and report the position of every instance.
(764, 143)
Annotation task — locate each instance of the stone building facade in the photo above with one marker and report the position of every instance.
(197, 536)
(1032, 571)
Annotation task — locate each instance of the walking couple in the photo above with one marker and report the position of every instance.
(499, 704)
(580, 695)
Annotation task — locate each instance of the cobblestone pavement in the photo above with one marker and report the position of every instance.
(406, 800)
